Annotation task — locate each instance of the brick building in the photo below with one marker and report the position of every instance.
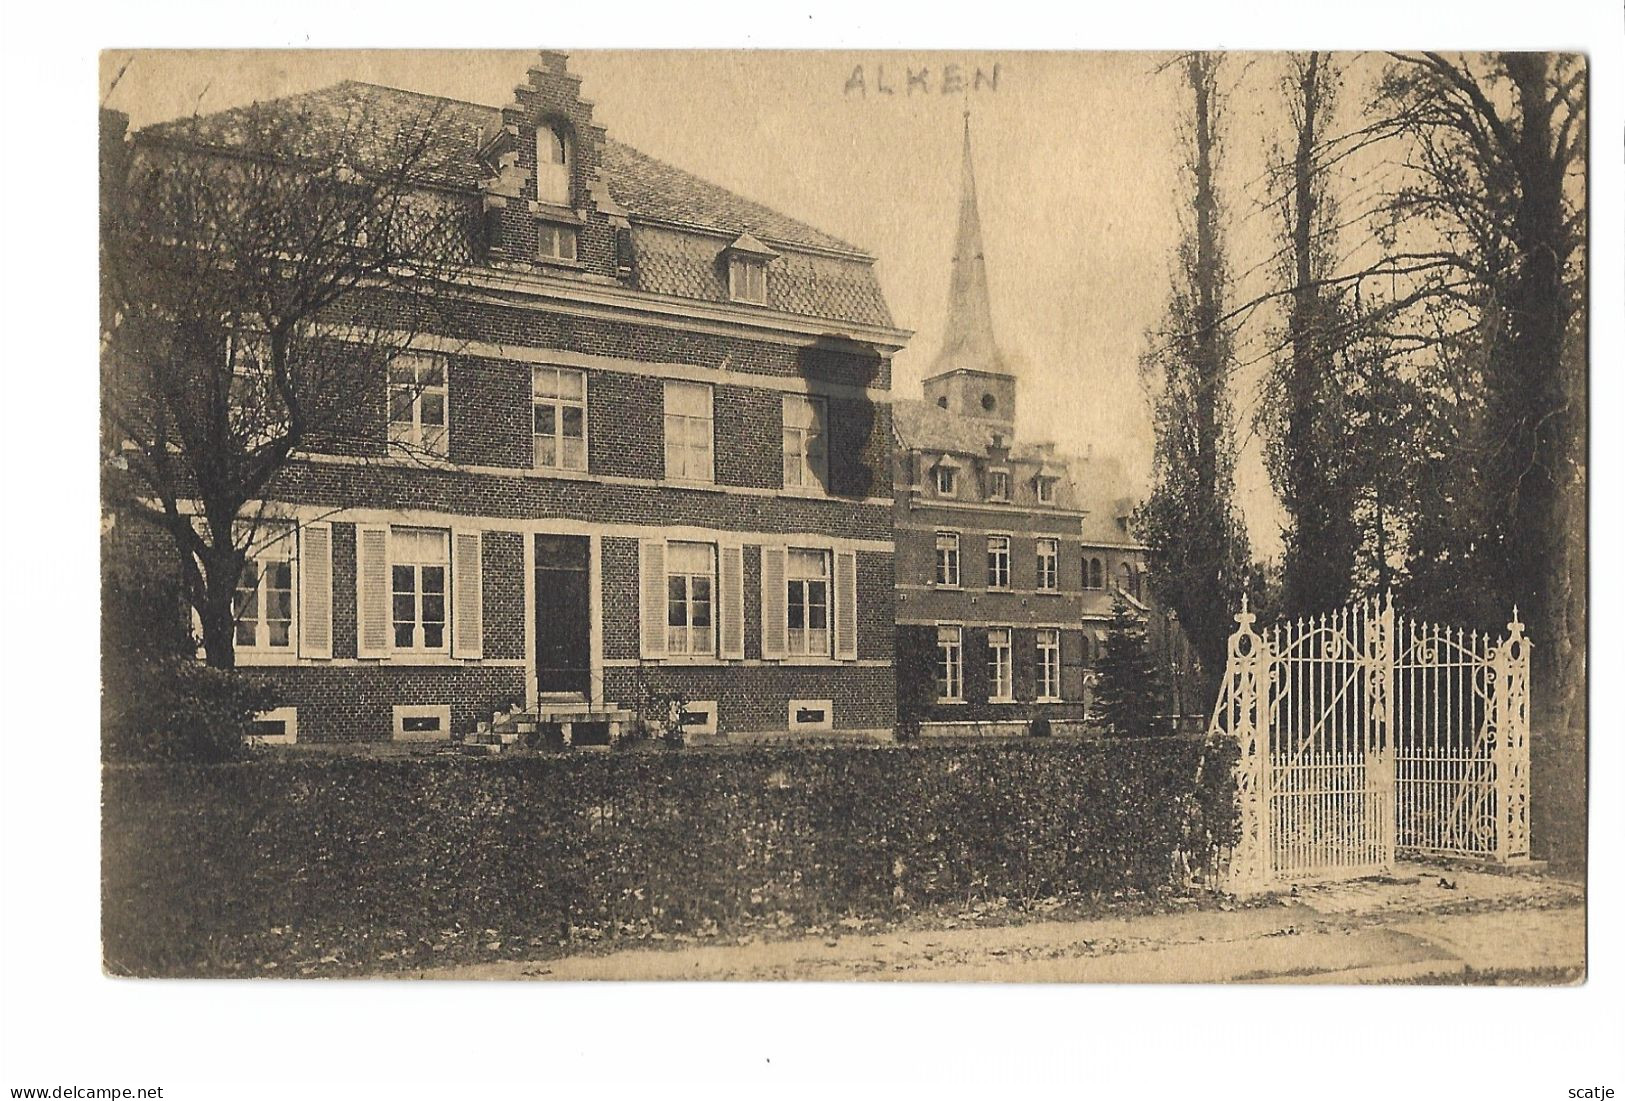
(661, 421)
(1010, 554)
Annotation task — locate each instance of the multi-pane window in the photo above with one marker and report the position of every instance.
(807, 602)
(559, 418)
(688, 431)
(1049, 554)
(950, 664)
(1046, 491)
(552, 166)
(806, 457)
(1049, 664)
(947, 481)
(691, 571)
(1093, 575)
(1127, 580)
(263, 604)
(555, 242)
(948, 558)
(417, 404)
(1001, 675)
(998, 561)
(420, 563)
(747, 280)
(255, 406)
(998, 485)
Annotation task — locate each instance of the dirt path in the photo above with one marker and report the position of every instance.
(1406, 929)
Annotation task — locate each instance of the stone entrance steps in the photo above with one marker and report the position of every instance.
(558, 721)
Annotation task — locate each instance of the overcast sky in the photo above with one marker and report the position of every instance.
(1076, 162)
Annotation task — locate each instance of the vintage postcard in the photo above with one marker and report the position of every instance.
(925, 516)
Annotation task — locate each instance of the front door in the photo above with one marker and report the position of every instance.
(563, 626)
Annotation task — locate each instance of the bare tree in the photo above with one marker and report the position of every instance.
(261, 268)
(1497, 152)
(1197, 546)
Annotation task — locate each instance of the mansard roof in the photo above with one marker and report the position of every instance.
(922, 426)
(680, 220)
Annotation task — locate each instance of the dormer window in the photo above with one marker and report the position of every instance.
(998, 485)
(552, 166)
(1046, 490)
(947, 481)
(555, 242)
(747, 280)
(747, 270)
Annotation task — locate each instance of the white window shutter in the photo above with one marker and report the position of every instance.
(731, 588)
(467, 601)
(652, 597)
(774, 642)
(846, 605)
(372, 591)
(315, 566)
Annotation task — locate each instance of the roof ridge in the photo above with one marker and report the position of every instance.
(725, 210)
(404, 91)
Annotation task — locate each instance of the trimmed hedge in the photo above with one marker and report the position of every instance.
(208, 869)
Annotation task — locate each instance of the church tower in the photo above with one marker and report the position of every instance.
(969, 375)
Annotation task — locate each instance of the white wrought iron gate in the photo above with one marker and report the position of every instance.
(1362, 733)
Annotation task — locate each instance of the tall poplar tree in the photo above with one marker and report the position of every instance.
(1197, 546)
(1306, 416)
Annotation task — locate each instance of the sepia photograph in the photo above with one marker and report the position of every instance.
(668, 557)
(538, 544)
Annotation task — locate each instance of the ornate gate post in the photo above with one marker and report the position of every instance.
(1380, 751)
(1242, 713)
(1511, 728)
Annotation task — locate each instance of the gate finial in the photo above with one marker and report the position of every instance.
(1516, 626)
(1244, 617)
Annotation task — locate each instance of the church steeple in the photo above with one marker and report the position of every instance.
(968, 344)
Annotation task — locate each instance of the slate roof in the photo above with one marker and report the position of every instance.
(645, 186)
(655, 189)
(685, 265)
(681, 223)
(920, 424)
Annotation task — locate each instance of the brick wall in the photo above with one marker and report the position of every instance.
(344, 594)
(619, 570)
(753, 584)
(625, 425)
(353, 703)
(395, 486)
(749, 437)
(490, 425)
(976, 707)
(502, 555)
(755, 698)
(489, 412)
(876, 592)
(831, 360)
